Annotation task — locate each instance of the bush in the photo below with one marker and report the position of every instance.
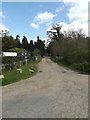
(19, 50)
(7, 59)
(7, 67)
(85, 67)
(53, 58)
(76, 62)
(12, 62)
(76, 57)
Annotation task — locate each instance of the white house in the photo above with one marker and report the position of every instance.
(9, 54)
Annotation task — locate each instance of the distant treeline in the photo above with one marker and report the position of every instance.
(8, 43)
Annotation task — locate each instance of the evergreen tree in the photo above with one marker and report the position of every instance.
(25, 43)
(40, 46)
(18, 41)
(31, 46)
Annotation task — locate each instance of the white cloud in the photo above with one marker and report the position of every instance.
(14, 37)
(73, 26)
(78, 15)
(45, 17)
(34, 25)
(1, 15)
(50, 29)
(42, 18)
(60, 8)
(78, 10)
(2, 27)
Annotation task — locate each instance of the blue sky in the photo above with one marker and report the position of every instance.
(33, 19)
(20, 15)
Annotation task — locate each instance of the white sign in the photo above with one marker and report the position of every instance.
(9, 53)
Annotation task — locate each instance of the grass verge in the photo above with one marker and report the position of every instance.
(13, 76)
(81, 68)
(61, 63)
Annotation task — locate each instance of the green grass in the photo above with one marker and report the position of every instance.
(65, 65)
(62, 63)
(13, 76)
(77, 67)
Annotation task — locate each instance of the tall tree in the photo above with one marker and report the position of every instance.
(8, 42)
(55, 35)
(25, 43)
(18, 44)
(40, 45)
(31, 46)
(55, 32)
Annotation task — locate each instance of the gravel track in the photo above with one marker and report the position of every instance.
(54, 92)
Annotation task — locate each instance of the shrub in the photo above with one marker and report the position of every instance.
(17, 50)
(12, 62)
(7, 67)
(82, 67)
(76, 57)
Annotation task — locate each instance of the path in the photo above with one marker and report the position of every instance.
(51, 93)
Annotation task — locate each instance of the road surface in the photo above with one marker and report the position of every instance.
(54, 92)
